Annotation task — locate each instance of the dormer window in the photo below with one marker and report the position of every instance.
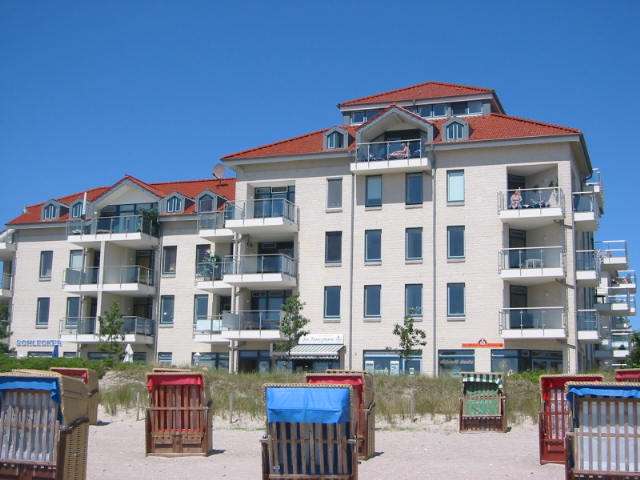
(335, 140)
(362, 116)
(76, 210)
(174, 204)
(49, 212)
(454, 131)
(205, 203)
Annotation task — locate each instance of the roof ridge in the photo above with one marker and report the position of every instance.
(396, 90)
(286, 140)
(233, 179)
(536, 122)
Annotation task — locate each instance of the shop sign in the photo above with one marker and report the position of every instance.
(322, 339)
(38, 342)
(482, 343)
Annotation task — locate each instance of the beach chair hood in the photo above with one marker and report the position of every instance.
(330, 404)
(158, 379)
(495, 378)
(602, 390)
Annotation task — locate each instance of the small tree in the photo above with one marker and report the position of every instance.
(633, 360)
(292, 326)
(111, 336)
(5, 331)
(409, 337)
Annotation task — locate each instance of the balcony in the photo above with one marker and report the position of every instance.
(390, 157)
(617, 304)
(624, 281)
(131, 231)
(594, 182)
(614, 254)
(6, 285)
(533, 322)
(270, 216)
(260, 271)
(588, 325)
(619, 343)
(7, 245)
(586, 211)
(245, 325)
(587, 268)
(531, 266)
(209, 278)
(86, 330)
(81, 281)
(529, 208)
(211, 226)
(131, 280)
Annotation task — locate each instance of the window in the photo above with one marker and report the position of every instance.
(174, 204)
(439, 109)
(413, 241)
(333, 247)
(455, 299)
(76, 210)
(334, 193)
(363, 116)
(372, 300)
(372, 245)
(413, 189)
(42, 312)
(49, 212)
(205, 203)
(459, 108)
(211, 360)
(73, 309)
(165, 359)
(389, 362)
(169, 255)
(455, 131)
(335, 140)
(455, 186)
(512, 360)
(455, 242)
(46, 264)
(424, 110)
(373, 191)
(474, 106)
(331, 302)
(454, 362)
(166, 309)
(413, 300)
(200, 306)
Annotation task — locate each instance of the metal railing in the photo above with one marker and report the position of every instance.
(248, 264)
(6, 281)
(261, 208)
(131, 325)
(8, 237)
(531, 258)
(595, 180)
(587, 260)
(585, 202)
(620, 323)
(531, 198)
(623, 298)
(209, 271)
(532, 318)
(612, 248)
(588, 320)
(624, 278)
(388, 151)
(88, 276)
(113, 225)
(207, 325)
(128, 274)
(250, 320)
(210, 221)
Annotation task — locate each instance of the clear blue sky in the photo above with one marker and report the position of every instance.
(161, 89)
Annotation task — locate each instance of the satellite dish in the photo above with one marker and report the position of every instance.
(218, 171)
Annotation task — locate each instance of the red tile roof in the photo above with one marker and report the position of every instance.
(420, 91)
(188, 188)
(493, 126)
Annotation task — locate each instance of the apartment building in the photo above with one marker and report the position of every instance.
(427, 201)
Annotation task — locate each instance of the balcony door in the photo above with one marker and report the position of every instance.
(270, 201)
(270, 262)
(518, 299)
(517, 239)
(73, 311)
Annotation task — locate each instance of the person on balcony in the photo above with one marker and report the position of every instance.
(402, 153)
(516, 200)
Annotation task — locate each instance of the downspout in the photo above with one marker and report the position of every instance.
(433, 261)
(353, 208)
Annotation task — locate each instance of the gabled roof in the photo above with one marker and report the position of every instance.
(189, 188)
(420, 91)
(492, 126)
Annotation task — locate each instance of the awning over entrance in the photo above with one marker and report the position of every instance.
(313, 352)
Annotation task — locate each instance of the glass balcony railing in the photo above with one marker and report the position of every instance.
(8, 237)
(114, 225)
(209, 271)
(622, 298)
(624, 279)
(249, 320)
(612, 248)
(208, 325)
(131, 325)
(533, 318)
(385, 151)
(595, 180)
(248, 264)
(6, 281)
(261, 208)
(532, 258)
(584, 202)
(531, 198)
(88, 276)
(620, 323)
(211, 221)
(588, 320)
(128, 274)
(587, 260)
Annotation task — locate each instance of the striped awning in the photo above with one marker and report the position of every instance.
(483, 378)
(316, 351)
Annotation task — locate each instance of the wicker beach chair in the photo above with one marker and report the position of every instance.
(553, 419)
(179, 418)
(44, 426)
(603, 439)
(362, 384)
(309, 432)
(482, 406)
(628, 375)
(90, 379)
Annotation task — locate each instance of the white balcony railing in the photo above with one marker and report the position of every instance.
(388, 151)
(533, 318)
(531, 199)
(531, 258)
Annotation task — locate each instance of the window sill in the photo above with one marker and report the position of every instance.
(44, 279)
(333, 265)
(416, 205)
(165, 325)
(413, 261)
(456, 260)
(372, 319)
(333, 210)
(372, 208)
(456, 318)
(168, 275)
(372, 263)
(42, 327)
(416, 319)
(455, 204)
(331, 320)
